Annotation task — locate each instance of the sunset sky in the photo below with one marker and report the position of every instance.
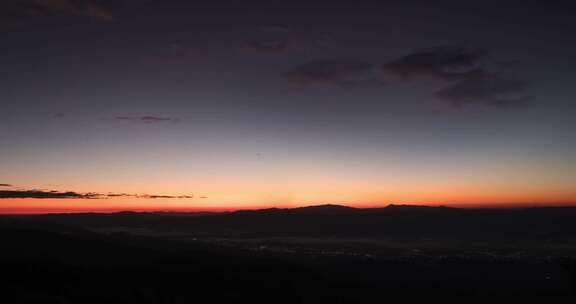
(200, 105)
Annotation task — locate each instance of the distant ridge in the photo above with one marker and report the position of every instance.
(405, 221)
(334, 209)
(326, 208)
(315, 209)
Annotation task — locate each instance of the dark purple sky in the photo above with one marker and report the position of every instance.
(295, 102)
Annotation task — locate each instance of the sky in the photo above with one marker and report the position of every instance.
(213, 105)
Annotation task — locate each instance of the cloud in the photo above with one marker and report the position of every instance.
(5, 194)
(5, 185)
(148, 196)
(440, 62)
(470, 76)
(485, 88)
(44, 194)
(335, 74)
(270, 40)
(147, 119)
(141, 119)
(269, 47)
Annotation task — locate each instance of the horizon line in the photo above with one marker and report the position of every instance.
(215, 210)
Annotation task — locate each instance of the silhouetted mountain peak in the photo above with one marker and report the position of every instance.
(315, 209)
(325, 207)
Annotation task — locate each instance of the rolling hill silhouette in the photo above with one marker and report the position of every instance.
(340, 221)
(63, 258)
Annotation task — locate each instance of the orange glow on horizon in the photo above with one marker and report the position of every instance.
(353, 193)
(46, 206)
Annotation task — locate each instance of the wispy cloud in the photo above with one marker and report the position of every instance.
(335, 74)
(5, 185)
(46, 194)
(164, 196)
(485, 88)
(445, 62)
(467, 76)
(147, 119)
(144, 196)
(270, 40)
(470, 75)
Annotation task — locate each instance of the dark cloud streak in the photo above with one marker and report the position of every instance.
(44, 194)
(471, 76)
(147, 119)
(147, 196)
(270, 40)
(447, 63)
(334, 74)
(52, 194)
(486, 89)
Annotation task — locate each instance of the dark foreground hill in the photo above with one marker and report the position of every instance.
(340, 221)
(146, 258)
